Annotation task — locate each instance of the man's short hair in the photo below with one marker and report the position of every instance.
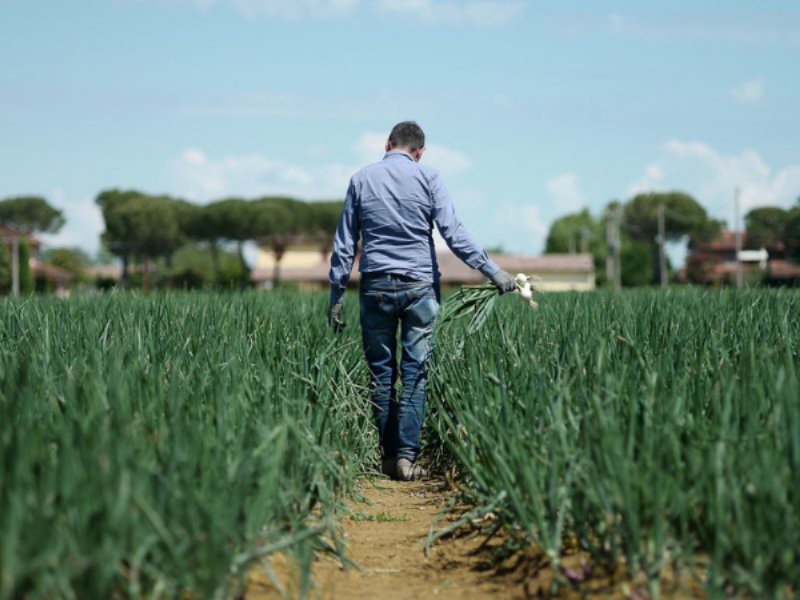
(407, 135)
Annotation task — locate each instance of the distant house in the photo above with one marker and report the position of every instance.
(781, 272)
(111, 272)
(558, 272)
(11, 235)
(45, 275)
(52, 278)
(715, 262)
(309, 266)
(303, 264)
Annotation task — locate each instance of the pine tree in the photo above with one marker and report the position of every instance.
(25, 274)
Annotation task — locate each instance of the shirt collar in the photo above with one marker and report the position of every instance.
(392, 153)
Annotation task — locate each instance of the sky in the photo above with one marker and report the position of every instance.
(532, 109)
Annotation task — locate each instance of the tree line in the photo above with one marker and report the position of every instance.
(143, 228)
(23, 215)
(629, 232)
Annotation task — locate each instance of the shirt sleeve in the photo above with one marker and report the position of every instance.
(345, 246)
(455, 234)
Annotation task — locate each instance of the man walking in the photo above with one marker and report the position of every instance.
(392, 206)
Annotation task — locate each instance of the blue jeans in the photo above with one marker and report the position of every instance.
(386, 302)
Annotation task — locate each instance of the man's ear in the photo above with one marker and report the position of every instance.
(388, 145)
(418, 154)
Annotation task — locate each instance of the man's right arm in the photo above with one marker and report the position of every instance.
(345, 246)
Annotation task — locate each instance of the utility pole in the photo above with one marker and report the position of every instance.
(585, 239)
(617, 249)
(610, 275)
(15, 265)
(738, 234)
(613, 245)
(662, 257)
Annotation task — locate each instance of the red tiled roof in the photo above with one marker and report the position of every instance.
(726, 242)
(51, 272)
(7, 233)
(112, 271)
(573, 263)
(780, 269)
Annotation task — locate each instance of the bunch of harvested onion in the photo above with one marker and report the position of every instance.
(477, 301)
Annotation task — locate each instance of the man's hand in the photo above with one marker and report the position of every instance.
(335, 317)
(504, 281)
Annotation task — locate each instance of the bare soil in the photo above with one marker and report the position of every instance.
(386, 538)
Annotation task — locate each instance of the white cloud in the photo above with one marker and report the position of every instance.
(522, 226)
(712, 176)
(749, 93)
(446, 160)
(199, 177)
(565, 193)
(194, 156)
(84, 223)
(202, 178)
(370, 148)
(649, 180)
(483, 13)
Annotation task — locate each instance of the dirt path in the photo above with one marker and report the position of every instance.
(386, 539)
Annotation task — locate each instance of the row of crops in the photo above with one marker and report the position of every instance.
(656, 431)
(163, 445)
(153, 446)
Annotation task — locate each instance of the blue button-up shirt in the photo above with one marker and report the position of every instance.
(392, 206)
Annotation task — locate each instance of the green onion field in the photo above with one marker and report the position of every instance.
(161, 445)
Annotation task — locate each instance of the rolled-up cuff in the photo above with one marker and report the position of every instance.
(489, 268)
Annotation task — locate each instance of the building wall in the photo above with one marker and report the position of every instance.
(312, 258)
(566, 281)
(299, 258)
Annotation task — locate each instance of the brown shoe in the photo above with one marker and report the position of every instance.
(409, 471)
